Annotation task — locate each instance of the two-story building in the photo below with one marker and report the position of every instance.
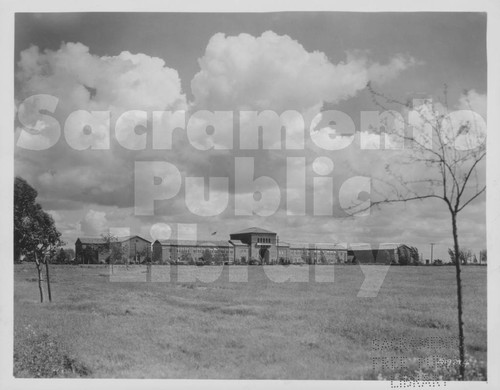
(386, 253)
(95, 250)
(191, 252)
(250, 245)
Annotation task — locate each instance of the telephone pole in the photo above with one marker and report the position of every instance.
(277, 249)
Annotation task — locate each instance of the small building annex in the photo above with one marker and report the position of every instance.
(95, 250)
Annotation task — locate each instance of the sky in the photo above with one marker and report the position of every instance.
(306, 62)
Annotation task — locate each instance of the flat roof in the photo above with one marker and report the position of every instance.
(200, 243)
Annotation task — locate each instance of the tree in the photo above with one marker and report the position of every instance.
(408, 255)
(35, 233)
(322, 257)
(24, 204)
(207, 256)
(387, 255)
(113, 249)
(186, 258)
(306, 256)
(482, 257)
(70, 253)
(144, 256)
(126, 253)
(221, 256)
(414, 255)
(60, 257)
(448, 150)
(63, 256)
(464, 255)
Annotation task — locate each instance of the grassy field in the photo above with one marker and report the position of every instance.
(258, 329)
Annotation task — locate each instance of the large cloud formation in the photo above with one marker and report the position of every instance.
(83, 81)
(243, 72)
(94, 223)
(276, 72)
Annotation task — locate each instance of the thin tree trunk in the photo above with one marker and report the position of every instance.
(48, 278)
(40, 277)
(148, 272)
(461, 340)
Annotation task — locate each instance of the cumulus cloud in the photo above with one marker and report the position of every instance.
(381, 74)
(276, 72)
(56, 216)
(76, 79)
(270, 72)
(94, 223)
(86, 81)
(243, 72)
(472, 100)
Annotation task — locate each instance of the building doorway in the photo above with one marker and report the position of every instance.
(264, 255)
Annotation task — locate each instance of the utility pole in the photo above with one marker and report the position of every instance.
(432, 250)
(277, 249)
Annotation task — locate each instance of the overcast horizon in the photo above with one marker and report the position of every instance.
(308, 62)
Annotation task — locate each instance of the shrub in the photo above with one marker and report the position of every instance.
(474, 371)
(39, 355)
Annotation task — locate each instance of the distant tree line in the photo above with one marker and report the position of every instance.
(63, 256)
(466, 256)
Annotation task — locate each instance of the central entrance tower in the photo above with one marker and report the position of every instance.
(261, 243)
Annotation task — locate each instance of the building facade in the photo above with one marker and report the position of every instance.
(193, 252)
(381, 254)
(262, 244)
(250, 246)
(316, 254)
(95, 250)
(90, 250)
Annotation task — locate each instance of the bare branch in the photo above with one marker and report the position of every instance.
(471, 199)
(466, 179)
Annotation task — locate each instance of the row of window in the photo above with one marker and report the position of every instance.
(315, 252)
(291, 252)
(264, 240)
(200, 250)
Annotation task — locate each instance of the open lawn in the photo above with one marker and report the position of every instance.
(257, 329)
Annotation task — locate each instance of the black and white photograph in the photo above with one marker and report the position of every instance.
(276, 193)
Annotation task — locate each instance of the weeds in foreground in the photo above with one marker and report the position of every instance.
(443, 370)
(40, 355)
